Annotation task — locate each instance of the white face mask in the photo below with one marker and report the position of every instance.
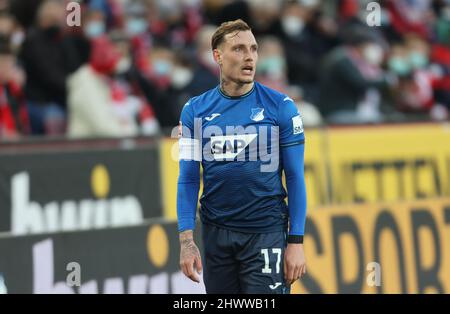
(292, 25)
(446, 13)
(208, 59)
(309, 3)
(181, 77)
(373, 54)
(94, 29)
(17, 38)
(123, 65)
(191, 3)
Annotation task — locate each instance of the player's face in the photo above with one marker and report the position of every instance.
(237, 57)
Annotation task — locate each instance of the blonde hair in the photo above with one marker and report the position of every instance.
(227, 28)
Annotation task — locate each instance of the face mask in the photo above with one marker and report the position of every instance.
(292, 25)
(418, 60)
(446, 13)
(309, 3)
(272, 66)
(123, 65)
(162, 67)
(191, 3)
(373, 54)
(399, 66)
(208, 59)
(168, 7)
(94, 29)
(136, 26)
(17, 38)
(181, 77)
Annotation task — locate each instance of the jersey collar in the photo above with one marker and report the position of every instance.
(236, 97)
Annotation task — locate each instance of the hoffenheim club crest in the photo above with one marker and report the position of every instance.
(257, 114)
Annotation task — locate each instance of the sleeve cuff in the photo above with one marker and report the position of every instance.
(295, 239)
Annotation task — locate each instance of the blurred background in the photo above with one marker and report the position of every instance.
(89, 101)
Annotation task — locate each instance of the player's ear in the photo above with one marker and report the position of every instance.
(217, 56)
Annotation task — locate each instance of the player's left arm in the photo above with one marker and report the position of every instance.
(292, 141)
(294, 257)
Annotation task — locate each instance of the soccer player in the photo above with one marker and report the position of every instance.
(244, 135)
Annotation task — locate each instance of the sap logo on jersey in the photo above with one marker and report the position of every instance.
(229, 146)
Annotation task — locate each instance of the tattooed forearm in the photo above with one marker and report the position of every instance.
(187, 244)
(188, 249)
(186, 235)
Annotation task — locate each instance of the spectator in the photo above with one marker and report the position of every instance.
(99, 104)
(46, 57)
(94, 24)
(159, 90)
(350, 80)
(175, 24)
(261, 15)
(182, 76)
(440, 58)
(13, 113)
(111, 10)
(272, 69)
(415, 91)
(7, 24)
(442, 26)
(128, 78)
(307, 35)
(206, 73)
(272, 72)
(411, 17)
(11, 30)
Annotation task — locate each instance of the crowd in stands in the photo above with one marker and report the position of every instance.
(131, 65)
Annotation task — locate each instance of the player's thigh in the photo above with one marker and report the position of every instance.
(261, 268)
(220, 269)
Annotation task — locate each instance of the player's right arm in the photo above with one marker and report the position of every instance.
(187, 196)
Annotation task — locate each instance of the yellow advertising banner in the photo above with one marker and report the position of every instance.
(384, 248)
(169, 176)
(388, 163)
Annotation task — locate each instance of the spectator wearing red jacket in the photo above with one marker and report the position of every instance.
(13, 112)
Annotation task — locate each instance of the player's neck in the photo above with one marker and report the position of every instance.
(233, 89)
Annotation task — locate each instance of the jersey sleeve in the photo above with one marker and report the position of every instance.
(189, 145)
(186, 126)
(293, 164)
(189, 176)
(290, 124)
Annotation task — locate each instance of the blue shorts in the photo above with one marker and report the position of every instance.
(237, 262)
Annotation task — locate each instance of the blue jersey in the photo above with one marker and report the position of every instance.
(238, 141)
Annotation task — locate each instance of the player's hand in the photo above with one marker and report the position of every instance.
(294, 263)
(190, 260)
